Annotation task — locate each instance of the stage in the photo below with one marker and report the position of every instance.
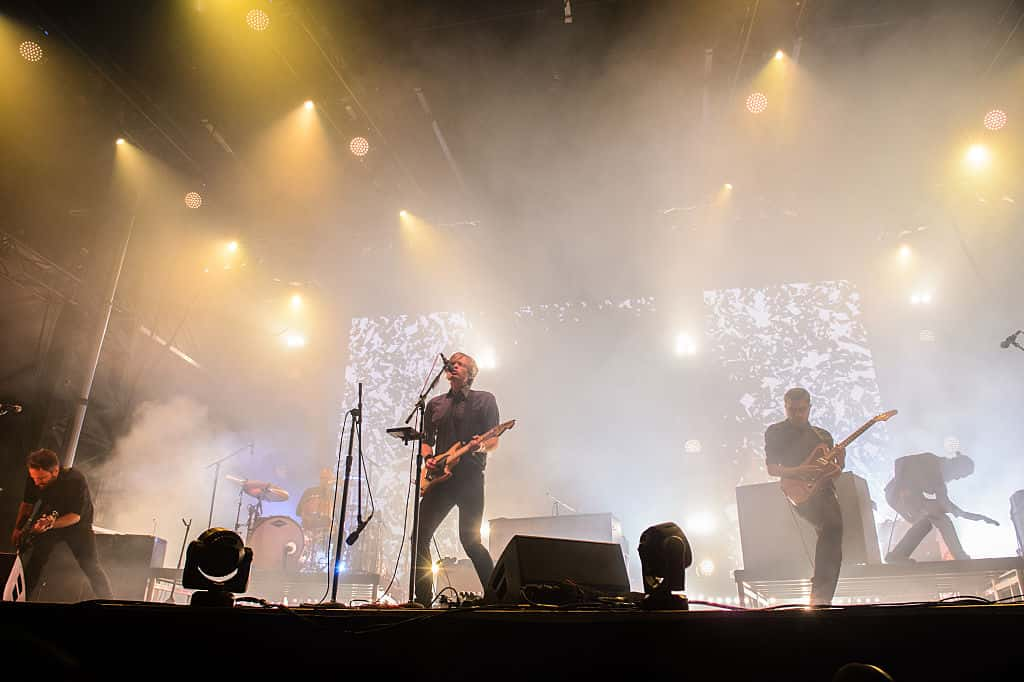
(96, 640)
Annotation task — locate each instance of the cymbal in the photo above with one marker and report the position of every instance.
(265, 491)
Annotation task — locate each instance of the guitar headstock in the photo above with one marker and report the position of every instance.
(885, 416)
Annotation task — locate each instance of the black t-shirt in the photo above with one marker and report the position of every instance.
(787, 444)
(458, 416)
(917, 474)
(69, 494)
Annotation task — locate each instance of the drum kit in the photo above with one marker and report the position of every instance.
(280, 543)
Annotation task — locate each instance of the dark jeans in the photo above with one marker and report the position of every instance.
(923, 521)
(822, 511)
(82, 543)
(464, 490)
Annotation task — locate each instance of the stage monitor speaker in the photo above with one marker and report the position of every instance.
(126, 559)
(551, 562)
(1017, 516)
(777, 540)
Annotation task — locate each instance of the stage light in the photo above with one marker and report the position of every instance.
(487, 359)
(30, 51)
(257, 20)
(232, 247)
(434, 567)
(905, 252)
(295, 340)
(193, 199)
(977, 156)
(485, 529)
(296, 301)
(728, 185)
(920, 298)
(757, 102)
(685, 345)
(926, 336)
(702, 523)
(359, 146)
(308, 104)
(119, 140)
(951, 443)
(779, 54)
(995, 119)
(217, 563)
(403, 213)
(706, 568)
(692, 446)
(665, 555)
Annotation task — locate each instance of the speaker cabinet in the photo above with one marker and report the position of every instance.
(126, 559)
(534, 561)
(778, 541)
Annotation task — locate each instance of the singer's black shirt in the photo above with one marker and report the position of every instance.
(458, 416)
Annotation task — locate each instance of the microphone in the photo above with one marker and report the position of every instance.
(11, 407)
(354, 535)
(447, 363)
(1007, 342)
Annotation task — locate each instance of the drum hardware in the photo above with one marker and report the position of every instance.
(260, 490)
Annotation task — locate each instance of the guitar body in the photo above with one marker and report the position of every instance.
(798, 490)
(28, 535)
(438, 469)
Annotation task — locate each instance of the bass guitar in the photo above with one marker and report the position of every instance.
(799, 490)
(439, 468)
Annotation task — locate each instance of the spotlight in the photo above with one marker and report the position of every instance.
(779, 54)
(905, 252)
(295, 340)
(728, 185)
(487, 359)
(995, 119)
(706, 567)
(296, 301)
(951, 443)
(692, 446)
(308, 104)
(701, 523)
(257, 20)
(403, 213)
(757, 102)
(665, 555)
(119, 140)
(926, 336)
(30, 51)
(217, 563)
(977, 155)
(193, 199)
(232, 246)
(685, 345)
(359, 146)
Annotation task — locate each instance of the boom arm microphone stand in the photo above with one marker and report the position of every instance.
(419, 408)
(357, 419)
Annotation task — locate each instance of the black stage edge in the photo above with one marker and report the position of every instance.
(135, 640)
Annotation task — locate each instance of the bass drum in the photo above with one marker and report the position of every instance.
(277, 544)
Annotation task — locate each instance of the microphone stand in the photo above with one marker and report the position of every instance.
(216, 477)
(357, 418)
(418, 408)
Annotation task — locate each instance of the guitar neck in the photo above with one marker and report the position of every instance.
(856, 434)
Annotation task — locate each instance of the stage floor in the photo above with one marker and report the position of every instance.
(112, 640)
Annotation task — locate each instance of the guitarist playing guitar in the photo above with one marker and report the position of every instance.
(462, 415)
(786, 447)
(918, 493)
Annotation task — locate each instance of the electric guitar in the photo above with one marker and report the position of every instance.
(29, 532)
(799, 490)
(439, 468)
